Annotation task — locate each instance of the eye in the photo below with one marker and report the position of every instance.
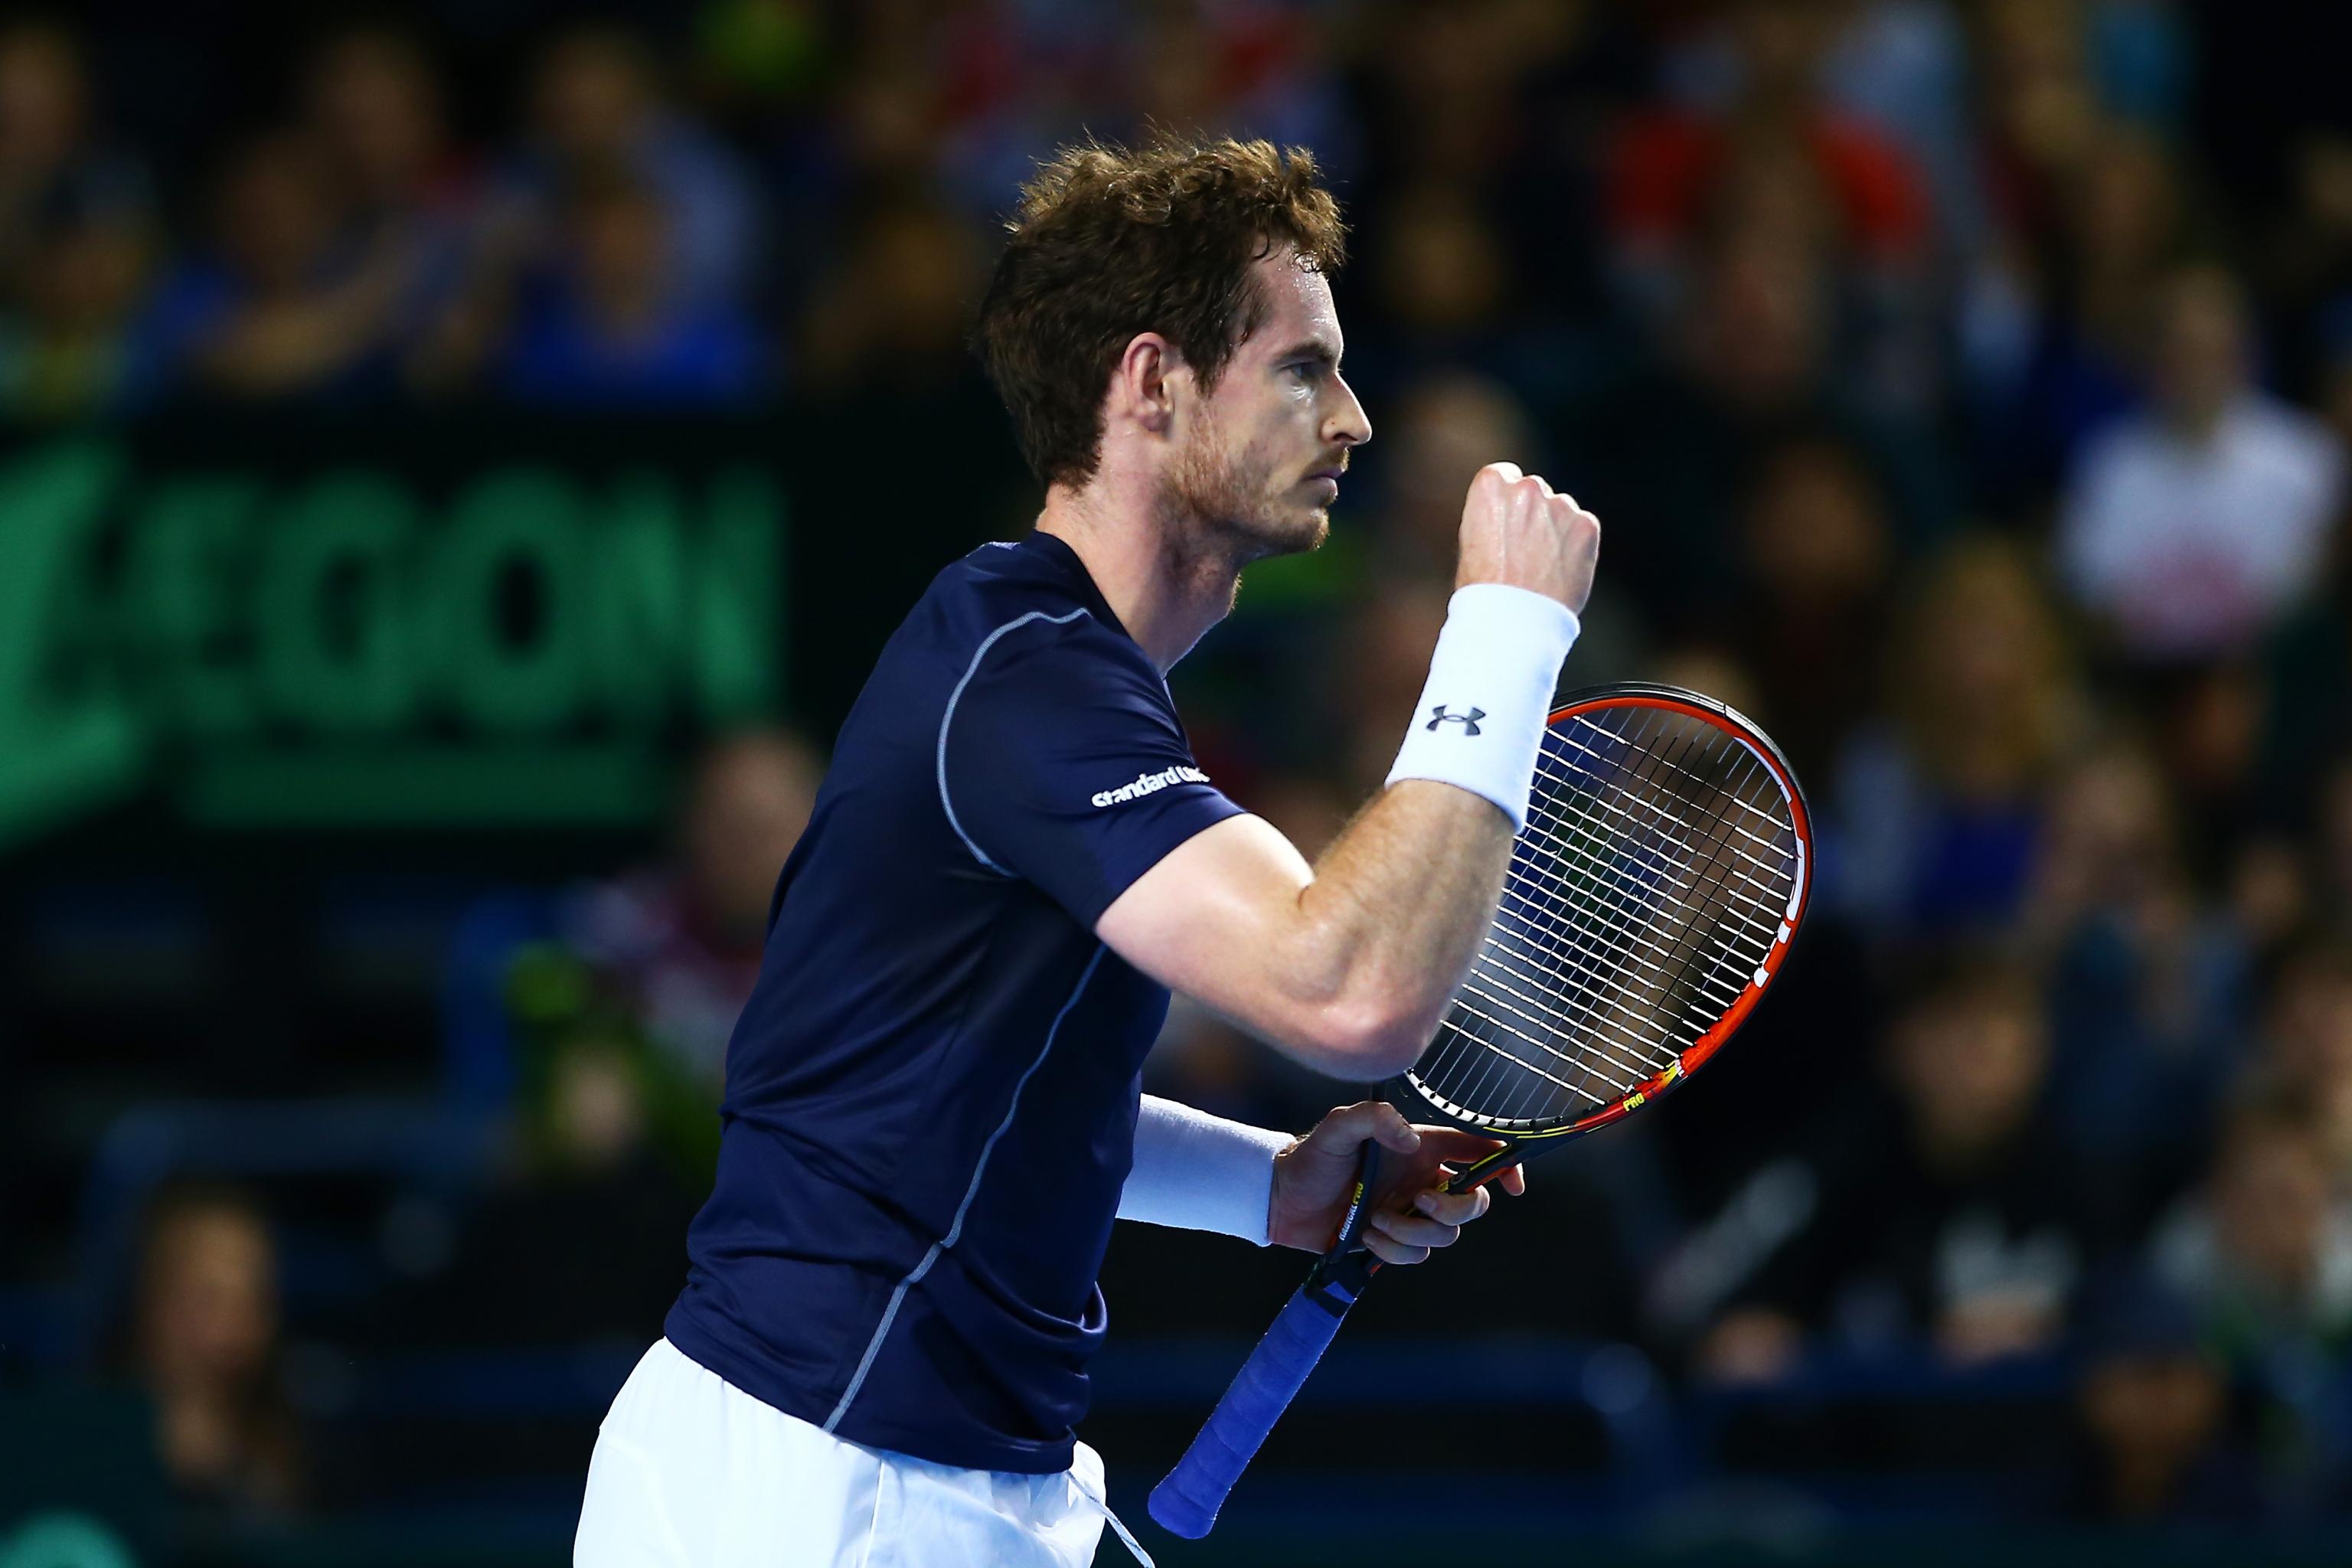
(1305, 369)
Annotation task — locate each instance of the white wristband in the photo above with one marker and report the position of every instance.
(1481, 718)
(1199, 1172)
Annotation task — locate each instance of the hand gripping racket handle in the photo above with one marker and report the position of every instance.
(1187, 1501)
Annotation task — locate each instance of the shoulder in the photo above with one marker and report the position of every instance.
(1012, 621)
(2285, 435)
(1060, 671)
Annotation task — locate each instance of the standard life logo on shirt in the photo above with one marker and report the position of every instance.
(1149, 783)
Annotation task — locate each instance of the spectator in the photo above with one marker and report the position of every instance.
(1951, 1216)
(1251, 70)
(893, 314)
(1442, 277)
(283, 307)
(372, 102)
(204, 1344)
(2148, 983)
(1669, 443)
(679, 947)
(1819, 551)
(2055, 310)
(1935, 816)
(2153, 1406)
(2307, 1039)
(1464, 109)
(2039, 108)
(610, 327)
(1446, 428)
(46, 140)
(2264, 1256)
(1772, 156)
(2306, 268)
(595, 103)
(1667, 165)
(2192, 530)
(1903, 68)
(73, 348)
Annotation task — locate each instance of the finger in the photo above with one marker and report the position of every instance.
(1515, 1181)
(1509, 472)
(1413, 1230)
(1389, 1250)
(1367, 1122)
(1393, 1129)
(1453, 1208)
(1454, 1146)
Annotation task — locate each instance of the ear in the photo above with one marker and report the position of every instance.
(1145, 384)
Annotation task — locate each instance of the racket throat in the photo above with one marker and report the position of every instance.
(1485, 1170)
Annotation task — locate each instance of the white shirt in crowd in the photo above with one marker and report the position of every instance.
(2192, 547)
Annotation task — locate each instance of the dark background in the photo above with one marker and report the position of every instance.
(1964, 387)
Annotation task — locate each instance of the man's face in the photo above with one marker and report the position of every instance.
(1258, 460)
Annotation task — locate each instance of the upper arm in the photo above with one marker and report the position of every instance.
(1217, 919)
(1062, 763)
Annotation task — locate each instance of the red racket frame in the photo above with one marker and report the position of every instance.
(1732, 722)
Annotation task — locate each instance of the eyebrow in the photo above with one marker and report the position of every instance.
(1312, 347)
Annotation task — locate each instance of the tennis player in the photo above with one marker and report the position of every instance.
(932, 1111)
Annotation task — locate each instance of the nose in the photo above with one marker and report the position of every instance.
(1347, 424)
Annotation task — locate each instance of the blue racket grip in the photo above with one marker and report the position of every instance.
(1187, 1501)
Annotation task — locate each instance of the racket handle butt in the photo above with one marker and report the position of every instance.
(1187, 1501)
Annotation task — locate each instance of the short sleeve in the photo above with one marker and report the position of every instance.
(1061, 762)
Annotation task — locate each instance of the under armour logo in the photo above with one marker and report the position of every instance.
(1469, 722)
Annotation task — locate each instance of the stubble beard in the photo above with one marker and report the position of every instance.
(1216, 517)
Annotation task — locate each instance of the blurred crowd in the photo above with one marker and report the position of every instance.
(1947, 409)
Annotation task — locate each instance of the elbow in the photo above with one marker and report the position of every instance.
(1366, 1042)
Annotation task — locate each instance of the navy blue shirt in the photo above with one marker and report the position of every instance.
(931, 1094)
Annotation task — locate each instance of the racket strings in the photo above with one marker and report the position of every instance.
(1758, 912)
(1542, 946)
(1610, 988)
(1666, 932)
(1644, 931)
(1629, 992)
(1768, 868)
(1541, 932)
(1657, 866)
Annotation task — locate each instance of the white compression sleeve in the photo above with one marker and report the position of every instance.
(1481, 718)
(1199, 1172)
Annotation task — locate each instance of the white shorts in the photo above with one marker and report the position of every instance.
(692, 1473)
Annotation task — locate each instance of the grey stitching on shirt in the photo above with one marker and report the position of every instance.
(955, 1229)
(949, 717)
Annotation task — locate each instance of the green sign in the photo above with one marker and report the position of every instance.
(354, 645)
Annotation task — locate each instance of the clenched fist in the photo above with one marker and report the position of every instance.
(1517, 531)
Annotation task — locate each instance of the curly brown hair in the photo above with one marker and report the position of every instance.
(1108, 242)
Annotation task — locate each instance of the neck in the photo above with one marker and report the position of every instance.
(1164, 591)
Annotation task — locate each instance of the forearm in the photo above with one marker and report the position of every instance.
(1349, 967)
(1398, 906)
(1197, 1172)
(1399, 903)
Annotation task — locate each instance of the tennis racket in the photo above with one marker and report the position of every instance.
(1650, 901)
